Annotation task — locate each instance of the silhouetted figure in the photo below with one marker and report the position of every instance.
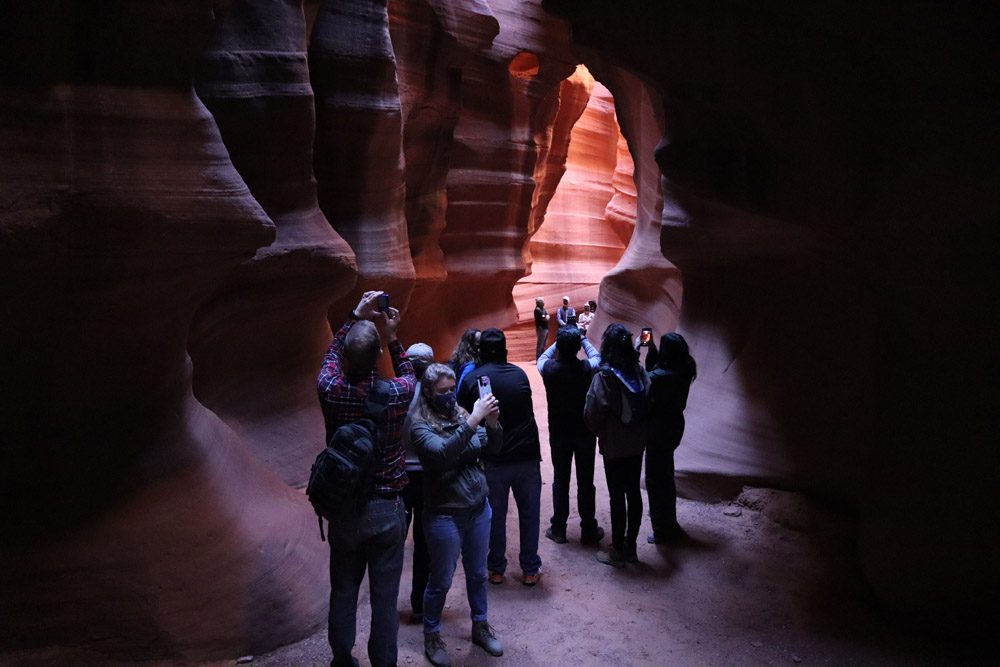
(672, 370)
(421, 356)
(517, 466)
(541, 327)
(373, 540)
(567, 379)
(617, 410)
(451, 442)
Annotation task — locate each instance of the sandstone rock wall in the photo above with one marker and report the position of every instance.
(827, 197)
(575, 244)
(169, 263)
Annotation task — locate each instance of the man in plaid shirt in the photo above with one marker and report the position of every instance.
(373, 540)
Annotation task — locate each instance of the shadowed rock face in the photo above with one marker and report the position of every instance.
(828, 180)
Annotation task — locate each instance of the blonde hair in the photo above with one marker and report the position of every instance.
(424, 410)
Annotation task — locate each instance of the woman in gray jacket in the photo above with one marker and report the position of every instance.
(617, 411)
(457, 514)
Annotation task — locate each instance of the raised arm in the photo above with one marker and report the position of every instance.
(547, 356)
(593, 356)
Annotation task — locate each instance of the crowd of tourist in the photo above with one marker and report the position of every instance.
(458, 439)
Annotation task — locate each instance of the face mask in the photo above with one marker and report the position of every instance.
(444, 403)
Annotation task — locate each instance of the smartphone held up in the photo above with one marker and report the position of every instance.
(383, 302)
(484, 386)
(645, 335)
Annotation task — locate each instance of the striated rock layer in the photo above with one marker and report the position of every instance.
(256, 341)
(829, 178)
(576, 244)
(136, 521)
(508, 102)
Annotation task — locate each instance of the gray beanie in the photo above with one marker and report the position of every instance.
(421, 356)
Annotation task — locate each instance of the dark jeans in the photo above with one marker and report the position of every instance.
(542, 333)
(448, 535)
(626, 500)
(661, 488)
(413, 498)
(564, 450)
(525, 480)
(372, 541)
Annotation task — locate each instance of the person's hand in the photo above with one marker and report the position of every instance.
(482, 409)
(493, 416)
(367, 308)
(391, 321)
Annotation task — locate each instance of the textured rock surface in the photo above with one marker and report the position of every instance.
(576, 244)
(835, 225)
(359, 153)
(494, 149)
(255, 342)
(136, 521)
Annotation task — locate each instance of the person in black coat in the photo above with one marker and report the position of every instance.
(672, 369)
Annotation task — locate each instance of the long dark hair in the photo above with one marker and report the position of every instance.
(675, 357)
(616, 349)
(467, 350)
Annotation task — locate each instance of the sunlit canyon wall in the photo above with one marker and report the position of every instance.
(191, 193)
(829, 177)
(576, 242)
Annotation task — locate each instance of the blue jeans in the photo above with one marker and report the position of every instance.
(374, 540)
(524, 478)
(447, 535)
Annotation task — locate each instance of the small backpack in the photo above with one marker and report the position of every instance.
(342, 478)
(629, 407)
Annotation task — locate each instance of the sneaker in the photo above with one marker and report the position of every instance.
(496, 577)
(557, 536)
(592, 537)
(435, 650)
(531, 579)
(611, 557)
(485, 636)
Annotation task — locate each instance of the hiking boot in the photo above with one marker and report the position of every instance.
(592, 536)
(611, 557)
(531, 579)
(496, 577)
(557, 536)
(435, 650)
(485, 636)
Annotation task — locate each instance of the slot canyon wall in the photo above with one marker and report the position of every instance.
(190, 194)
(829, 178)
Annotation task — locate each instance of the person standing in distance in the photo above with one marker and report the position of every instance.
(565, 313)
(541, 326)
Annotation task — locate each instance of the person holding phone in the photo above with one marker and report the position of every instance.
(517, 466)
(457, 513)
(566, 314)
(672, 369)
(617, 410)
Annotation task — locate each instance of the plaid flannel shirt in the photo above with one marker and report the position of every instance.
(343, 402)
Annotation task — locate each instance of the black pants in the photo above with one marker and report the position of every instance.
(564, 450)
(661, 488)
(623, 475)
(542, 335)
(413, 498)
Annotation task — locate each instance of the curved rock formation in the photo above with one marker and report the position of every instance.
(834, 223)
(136, 522)
(359, 158)
(256, 342)
(576, 245)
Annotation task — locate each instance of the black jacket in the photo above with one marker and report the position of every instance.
(453, 477)
(517, 415)
(566, 385)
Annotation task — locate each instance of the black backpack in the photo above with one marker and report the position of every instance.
(342, 478)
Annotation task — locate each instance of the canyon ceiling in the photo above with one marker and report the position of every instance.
(191, 192)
